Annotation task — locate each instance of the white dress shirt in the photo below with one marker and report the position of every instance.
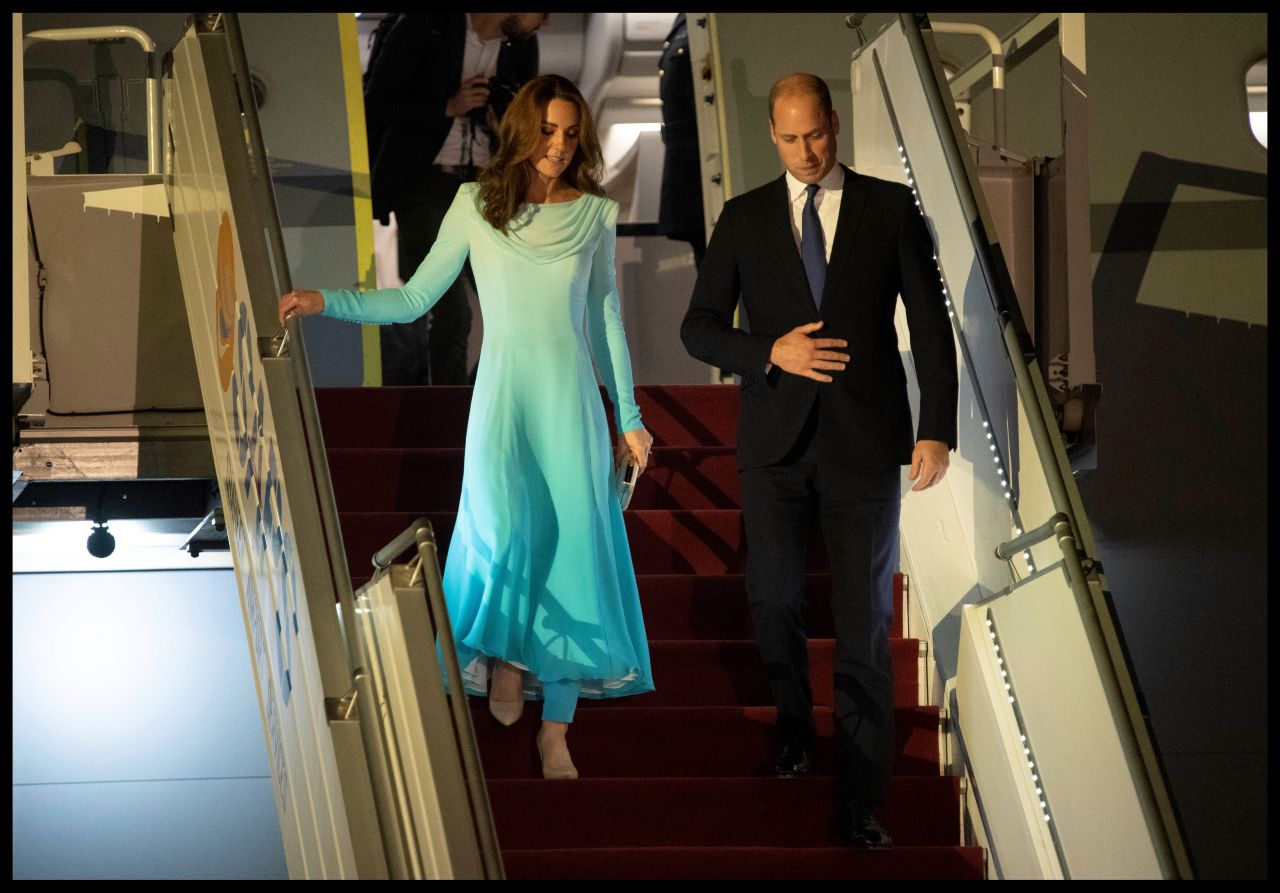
(827, 201)
(479, 58)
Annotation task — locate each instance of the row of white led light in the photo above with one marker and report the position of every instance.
(1022, 732)
(1008, 494)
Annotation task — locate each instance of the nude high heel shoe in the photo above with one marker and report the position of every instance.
(554, 753)
(505, 708)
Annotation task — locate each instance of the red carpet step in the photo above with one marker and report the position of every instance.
(401, 479)
(773, 812)
(671, 782)
(748, 863)
(687, 606)
(679, 415)
(664, 742)
(682, 606)
(708, 543)
(721, 672)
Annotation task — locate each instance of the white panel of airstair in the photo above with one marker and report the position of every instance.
(1073, 697)
(1004, 787)
(407, 681)
(1066, 745)
(320, 776)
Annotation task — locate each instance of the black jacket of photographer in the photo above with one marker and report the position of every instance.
(416, 66)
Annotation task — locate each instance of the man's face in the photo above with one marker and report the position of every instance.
(805, 137)
(519, 26)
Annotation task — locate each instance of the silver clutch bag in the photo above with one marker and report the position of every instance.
(625, 474)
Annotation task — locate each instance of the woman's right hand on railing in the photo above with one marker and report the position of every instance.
(300, 302)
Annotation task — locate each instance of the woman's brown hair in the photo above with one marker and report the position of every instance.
(505, 180)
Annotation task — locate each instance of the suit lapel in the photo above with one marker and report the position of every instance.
(783, 243)
(852, 203)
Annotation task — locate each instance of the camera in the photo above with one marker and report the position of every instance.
(501, 92)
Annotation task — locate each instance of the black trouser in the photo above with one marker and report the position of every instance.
(433, 348)
(858, 510)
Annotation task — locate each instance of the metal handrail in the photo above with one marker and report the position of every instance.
(422, 535)
(1095, 611)
(1006, 551)
(469, 750)
(383, 557)
(358, 659)
(997, 69)
(113, 32)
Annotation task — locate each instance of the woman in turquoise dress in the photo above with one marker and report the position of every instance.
(538, 579)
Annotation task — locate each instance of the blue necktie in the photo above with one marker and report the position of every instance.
(813, 249)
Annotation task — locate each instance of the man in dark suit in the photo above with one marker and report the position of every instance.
(436, 86)
(818, 259)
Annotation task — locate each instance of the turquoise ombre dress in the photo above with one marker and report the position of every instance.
(539, 570)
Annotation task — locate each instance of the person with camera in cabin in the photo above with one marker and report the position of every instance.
(435, 89)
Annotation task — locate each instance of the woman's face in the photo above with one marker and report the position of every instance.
(558, 140)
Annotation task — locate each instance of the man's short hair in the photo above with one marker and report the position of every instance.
(801, 83)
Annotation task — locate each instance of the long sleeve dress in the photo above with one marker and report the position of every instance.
(538, 571)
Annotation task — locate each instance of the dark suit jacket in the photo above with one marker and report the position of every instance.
(882, 249)
(418, 68)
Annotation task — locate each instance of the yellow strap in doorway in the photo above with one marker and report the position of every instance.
(360, 187)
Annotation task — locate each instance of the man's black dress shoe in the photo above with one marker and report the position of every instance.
(793, 762)
(857, 825)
